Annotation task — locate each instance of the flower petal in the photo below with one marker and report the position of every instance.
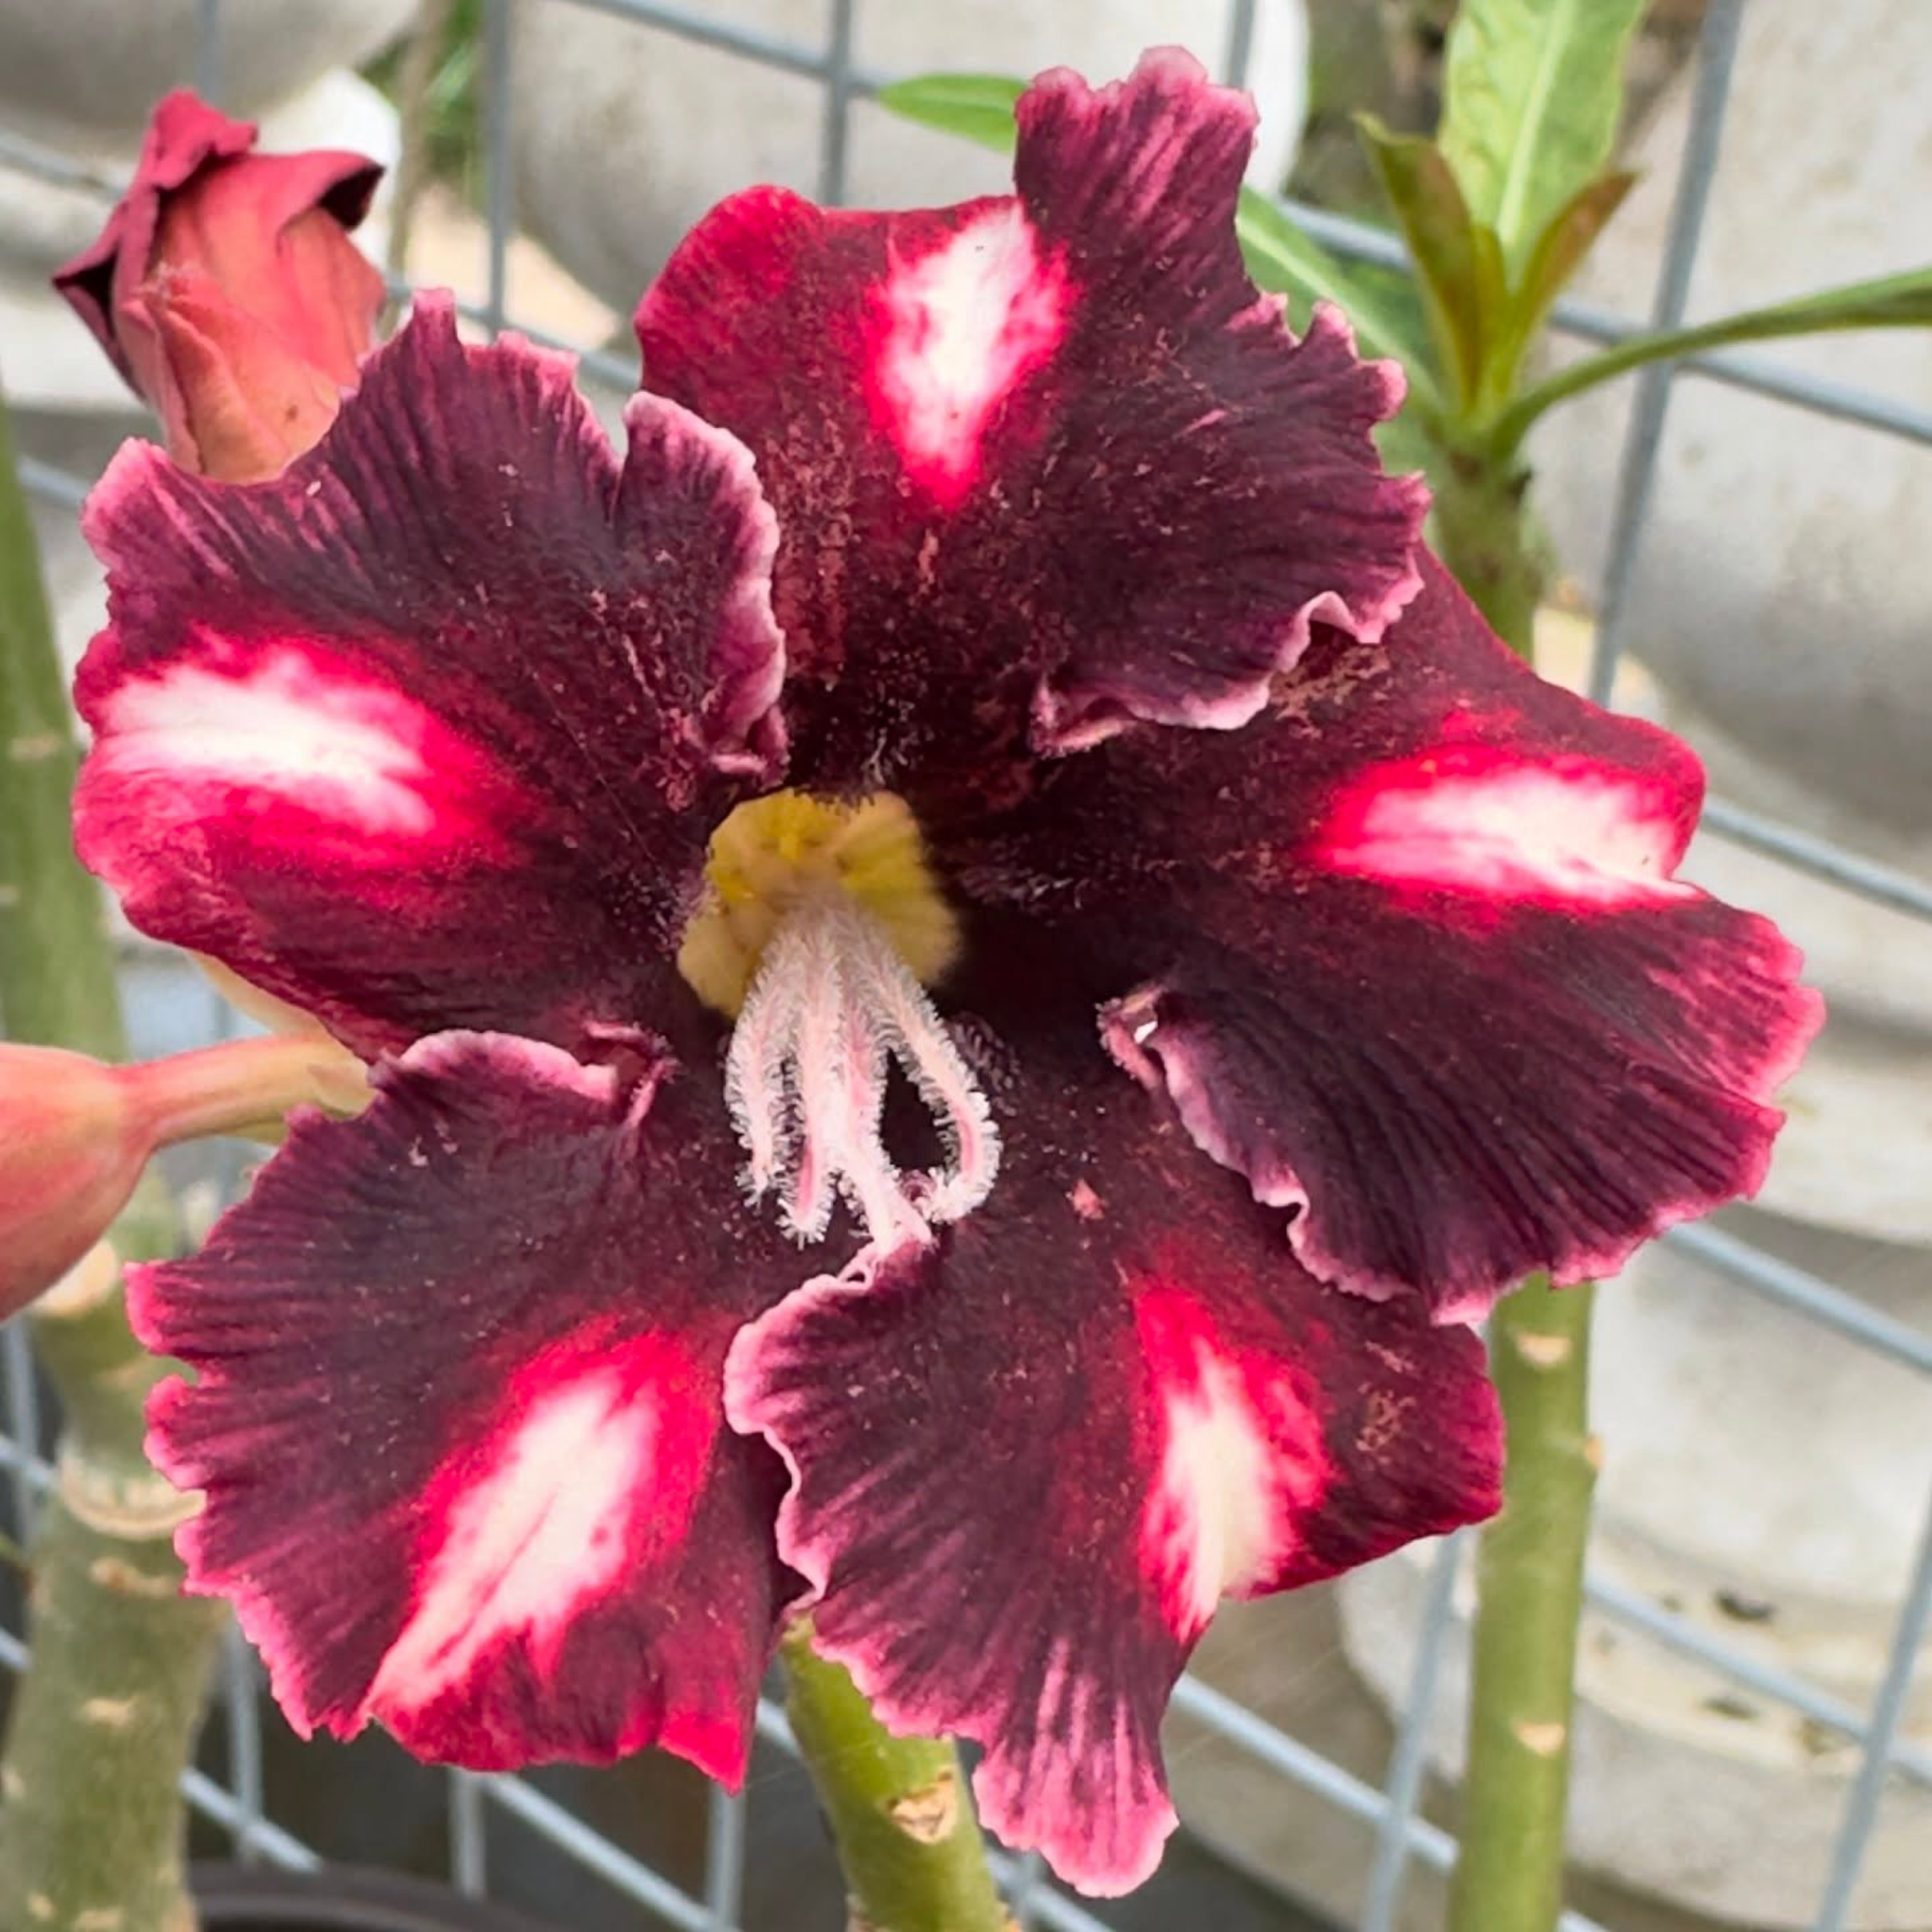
(1028, 1462)
(430, 731)
(184, 136)
(1408, 955)
(457, 1414)
(1049, 456)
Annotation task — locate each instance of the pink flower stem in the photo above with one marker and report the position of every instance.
(102, 1722)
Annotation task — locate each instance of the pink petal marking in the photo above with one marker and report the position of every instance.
(295, 725)
(965, 323)
(1511, 825)
(600, 1457)
(1241, 1460)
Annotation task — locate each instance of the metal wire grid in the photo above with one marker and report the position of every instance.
(1402, 1835)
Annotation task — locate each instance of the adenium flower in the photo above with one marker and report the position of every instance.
(975, 964)
(225, 289)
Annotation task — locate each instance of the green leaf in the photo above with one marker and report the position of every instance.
(1559, 251)
(1890, 301)
(978, 106)
(1459, 264)
(1532, 91)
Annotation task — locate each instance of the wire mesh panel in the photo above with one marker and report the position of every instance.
(712, 1898)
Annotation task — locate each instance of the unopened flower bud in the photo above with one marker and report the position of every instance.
(72, 1147)
(227, 290)
(75, 1134)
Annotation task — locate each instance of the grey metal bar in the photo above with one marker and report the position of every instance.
(1023, 1892)
(1240, 52)
(242, 1708)
(724, 1858)
(276, 1846)
(1804, 852)
(208, 79)
(1862, 1806)
(1636, 473)
(836, 120)
(468, 1835)
(767, 50)
(1829, 1305)
(636, 1880)
(1347, 1793)
(23, 1425)
(1403, 1784)
(499, 184)
(1050, 1907)
(1679, 1633)
(56, 486)
(57, 170)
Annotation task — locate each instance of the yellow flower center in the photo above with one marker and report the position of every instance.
(779, 853)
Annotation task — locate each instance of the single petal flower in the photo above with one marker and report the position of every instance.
(224, 287)
(1118, 714)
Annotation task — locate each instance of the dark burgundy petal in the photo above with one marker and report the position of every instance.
(430, 731)
(1408, 953)
(457, 1413)
(1047, 462)
(1028, 1462)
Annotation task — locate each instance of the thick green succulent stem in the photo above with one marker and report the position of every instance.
(101, 1723)
(1529, 1583)
(1529, 1565)
(910, 1847)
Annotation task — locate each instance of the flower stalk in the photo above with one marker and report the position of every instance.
(909, 1844)
(101, 1722)
(1529, 1563)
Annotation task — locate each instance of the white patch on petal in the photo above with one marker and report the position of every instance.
(532, 1542)
(1214, 1504)
(966, 322)
(1575, 833)
(343, 748)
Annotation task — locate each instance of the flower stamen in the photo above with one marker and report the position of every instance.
(832, 1007)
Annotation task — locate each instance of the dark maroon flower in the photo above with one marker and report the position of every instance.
(225, 288)
(466, 735)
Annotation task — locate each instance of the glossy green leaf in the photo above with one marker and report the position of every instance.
(1890, 301)
(976, 106)
(1280, 256)
(1531, 91)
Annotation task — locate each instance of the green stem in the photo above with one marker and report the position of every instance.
(1529, 1579)
(100, 1726)
(1480, 529)
(909, 1843)
(1529, 1567)
(1890, 301)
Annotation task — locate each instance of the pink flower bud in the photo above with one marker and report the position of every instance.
(72, 1147)
(227, 290)
(75, 1134)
